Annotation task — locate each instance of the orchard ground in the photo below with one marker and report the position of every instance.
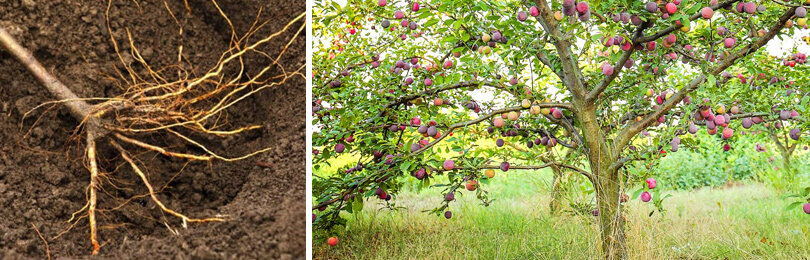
(743, 218)
(740, 221)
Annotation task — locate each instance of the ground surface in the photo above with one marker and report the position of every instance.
(745, 221)
(43, 179)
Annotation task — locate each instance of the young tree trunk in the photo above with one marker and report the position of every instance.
(554, 204)
(786, 150)
(605, 180)
(611, 221)
(788, 167)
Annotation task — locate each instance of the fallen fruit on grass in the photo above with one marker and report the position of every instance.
(332, 241)
(806, 208)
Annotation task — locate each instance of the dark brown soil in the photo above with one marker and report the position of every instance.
(42, 175)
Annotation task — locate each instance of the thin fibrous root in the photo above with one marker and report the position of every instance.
(126, 157)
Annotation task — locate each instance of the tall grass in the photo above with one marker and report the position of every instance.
(734, 222)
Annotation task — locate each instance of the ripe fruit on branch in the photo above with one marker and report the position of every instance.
(651, 183)
(535, 110)
(490, 173)
(522, 15)
(646, 196)
(727, 133)
(651, 7)
(794, 133)
(513, 115)
(498, 122)
(671, 8)
(448, 164)
(706, 12)
(525, 103)
(750, 7)
(607, 69)
(729, 42)
(504, 166)
(472, 185)
(556, 113)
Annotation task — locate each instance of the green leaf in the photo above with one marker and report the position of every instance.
(405, 166)
(637, 193)
(793, 205)
(357, 205)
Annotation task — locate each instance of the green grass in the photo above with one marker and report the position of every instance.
(711, 223)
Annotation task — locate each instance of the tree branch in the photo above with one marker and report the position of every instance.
(672, 28)
(536, 167)
(626, 134)
(481, 119)
(435, 91)
(593, 94)
(573, 75)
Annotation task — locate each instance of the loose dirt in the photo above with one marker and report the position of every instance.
(42, 176)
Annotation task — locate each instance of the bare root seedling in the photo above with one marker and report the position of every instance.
(162, 103)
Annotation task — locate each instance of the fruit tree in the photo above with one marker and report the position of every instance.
(411, 89)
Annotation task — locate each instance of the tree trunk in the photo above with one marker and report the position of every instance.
(786, 150)
(611, 221)
(789, 172)
(554, 204)
(605, 180)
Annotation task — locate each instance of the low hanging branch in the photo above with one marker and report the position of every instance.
(536, 167)
(481, 119)
(159, 106)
